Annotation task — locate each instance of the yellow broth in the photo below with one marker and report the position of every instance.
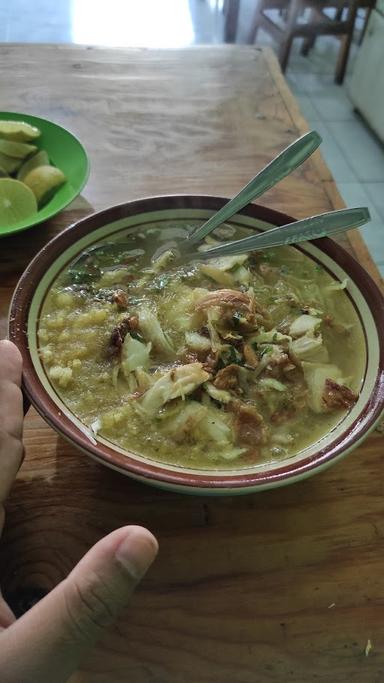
(215, 364)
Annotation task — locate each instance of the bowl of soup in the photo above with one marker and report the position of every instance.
(225, 376)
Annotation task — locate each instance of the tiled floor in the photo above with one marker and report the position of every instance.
(355, 156)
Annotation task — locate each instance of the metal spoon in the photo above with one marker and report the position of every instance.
(286, 162)
(323, 225)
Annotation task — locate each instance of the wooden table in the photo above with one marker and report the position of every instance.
(281, 586)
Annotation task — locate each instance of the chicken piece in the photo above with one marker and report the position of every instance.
(210, 362)
(219, 395)
(277, 364)
(232, 309)
(272, 357)
(179, 381)
(180, 425)
(197, 342)
(227, 298)
(231, 337)
(192, 421)
(250, 356)
(213, 320)
(206, 356)
(229, 379)
(249, 425)
(337, 396)
(133, 323)
(120, 298)
(117, 337)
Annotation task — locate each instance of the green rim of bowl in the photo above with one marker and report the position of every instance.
(67, 153)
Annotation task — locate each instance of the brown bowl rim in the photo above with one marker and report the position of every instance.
(48, 409)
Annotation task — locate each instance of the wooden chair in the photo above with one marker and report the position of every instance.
(231, 13)
(291, 25)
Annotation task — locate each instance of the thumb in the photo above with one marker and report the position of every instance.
(48, 642)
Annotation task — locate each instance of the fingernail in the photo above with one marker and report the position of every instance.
(137, 551)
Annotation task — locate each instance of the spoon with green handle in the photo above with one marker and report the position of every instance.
(323, 225)
(286, 162)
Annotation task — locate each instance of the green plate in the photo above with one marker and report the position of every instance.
(65, 152)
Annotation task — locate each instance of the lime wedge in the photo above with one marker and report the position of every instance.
(39, 159)
(16, 149)
(44, 181)
(20, 131)
(17, 202)
(9, 164)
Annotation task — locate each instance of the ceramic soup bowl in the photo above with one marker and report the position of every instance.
(53, 258)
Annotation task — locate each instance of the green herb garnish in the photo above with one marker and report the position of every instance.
(266, 349)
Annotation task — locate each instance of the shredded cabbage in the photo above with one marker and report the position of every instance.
(309, 348)
(152, 331)
(315, 375)
(179, 381)
(304, 324)
(134, 354)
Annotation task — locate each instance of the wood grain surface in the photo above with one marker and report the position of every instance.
(281, 586)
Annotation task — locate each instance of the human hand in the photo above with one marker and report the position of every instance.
(47, 643)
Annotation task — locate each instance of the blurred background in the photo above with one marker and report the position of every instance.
(332, 54)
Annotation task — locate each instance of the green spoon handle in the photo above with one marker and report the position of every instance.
(323, 225)
(286, 162)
